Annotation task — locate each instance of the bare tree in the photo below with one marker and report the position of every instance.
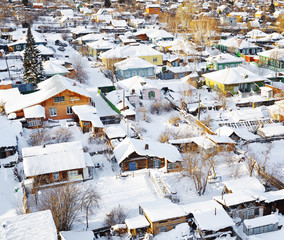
(116, 216)
(79, 68)
(63, 135)
(64, 204)
(39, 137)
(90, 201)
(222, 98)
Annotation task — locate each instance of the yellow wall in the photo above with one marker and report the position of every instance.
(150, 59)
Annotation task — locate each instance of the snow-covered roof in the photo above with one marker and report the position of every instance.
(72, 235)
(9, 130)
(130, 51)
(36, 111)
(81, 30)
(160, 34)
(276, 53)
(91, 37)
(137, 222)
(221, 139)
(88, 113)
(242, 133)
(209, 215)
(119, 23)
(256, 33)
(236, 75)
(52, 68)
(53, 158)
(261, 221)
(237, 43)
(47, 89)
(133, 63)
(115, 132)
(37, 225)
(272, 130)
(237, 198)
(162, 209)
(203, 142)
(224, 58)
(273, 196)
(43, 50)
(135, 83)
(67, 12)
(103, 109)
(247, 183)
(155, 149)
(101, 44)
(247, 114)
(9, 94)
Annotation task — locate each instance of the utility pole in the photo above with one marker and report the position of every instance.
(198, 116)
(4, 56)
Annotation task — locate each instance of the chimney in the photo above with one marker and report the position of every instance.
(74, 84)
(132, 91)
(44, 146)
(146, 146)
(215, 211)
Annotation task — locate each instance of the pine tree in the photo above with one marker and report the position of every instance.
(107, 3)
(33, 70)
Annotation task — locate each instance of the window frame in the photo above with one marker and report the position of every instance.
(69, 110)
(52, 114)
(55, 174)
(58, 99)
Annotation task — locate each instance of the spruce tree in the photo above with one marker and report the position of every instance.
(33, 70)
(107, 3)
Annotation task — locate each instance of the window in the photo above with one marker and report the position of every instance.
(34, 123)
(163, 229)
(52, 112)
(141, 73)
(155, 59)
(251, 212)
(59, 99)
(73, 173)
(127, 74)
(134, 73)
(18, 47)
(151, 94)
(150, 72)
(69, 110)
(55, 176)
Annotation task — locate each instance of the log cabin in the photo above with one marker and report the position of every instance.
(57, 95)
(133, 154)
(55, 164)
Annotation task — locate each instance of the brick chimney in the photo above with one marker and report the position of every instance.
(146, 146)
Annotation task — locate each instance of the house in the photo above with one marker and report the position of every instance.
(208, 219)
(45, 52)
(137, 226)
(163, 215)
(55, 164)
(134, 66)
(160, 35)
(236, 134)
(137, 23)
(9, 137)
(98, 47)
(56, 94)
(34, 116)
(222, 61)
(134, 154)
(38, 225)
(256, 34)
(274, 201)
(20, 45)
(260, 225)
(272, 130)
(72, 235)
(229, 21)
(80, 31)
(52, 68)
(223, 143)
(145, 52)
(233, 80)
(92, 37)
(272, 59)
(276, 111)
(138, 87)
(241, 16)
(153, 9)
(88, 119)
(66, 22)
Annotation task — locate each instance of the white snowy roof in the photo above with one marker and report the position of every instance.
(242, 133)
(205, 217)
(160, 34)
(36, 111)
(37, 225)
(9, 130)
(272, 130)
(130, 51)
(91, 37)
(88, 113)
(52, 68)
(115, 132)
(162, 209)
(103, 109)
(238, 43)
(236, 75)
(273, 53)
(203, 142)
(233, 199)
(155, 149)
(245, 183)
(81, 30)
(119, 23)
(137, 222)
(261, 221)
(53, 158)
(72, 235)
(44, 50)
(221, 139)
(67, 12)
(135, 83)
(256, 33)
(9, 94)
(133, 62)
(101, 44)
(224, 58)
(47, 89)
(273, 196)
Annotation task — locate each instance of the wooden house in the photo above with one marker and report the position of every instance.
(98, 47)
(88, 119)
(276, 111)
(233, 80)
(137, 226)
(55, 164)
(223, 143)
(134, 66)
(265, 224)
(163, 215)
(34, 116)
(57, 95)
(272, 59)
(208, 219)
(134, 154)
(274, 201)
(222, 61)
(153, 9)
